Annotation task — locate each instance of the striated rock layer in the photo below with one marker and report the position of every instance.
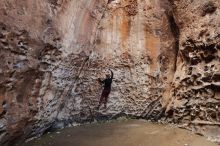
(164, 55)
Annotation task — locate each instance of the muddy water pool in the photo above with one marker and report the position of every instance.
(121, 133)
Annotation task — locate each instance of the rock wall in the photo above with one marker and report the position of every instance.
(34, 56)
(135, 46)
(54, 51)
(196, 85)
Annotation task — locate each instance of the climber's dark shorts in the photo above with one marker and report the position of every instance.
(105, 94)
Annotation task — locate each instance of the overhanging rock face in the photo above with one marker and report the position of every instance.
(164, 55)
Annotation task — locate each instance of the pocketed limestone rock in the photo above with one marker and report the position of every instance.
(195, 93)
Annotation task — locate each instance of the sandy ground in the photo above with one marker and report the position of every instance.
(126, 133)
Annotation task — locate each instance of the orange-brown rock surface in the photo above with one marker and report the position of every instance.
(164, 55)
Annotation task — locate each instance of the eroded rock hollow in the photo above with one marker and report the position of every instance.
(164, 55)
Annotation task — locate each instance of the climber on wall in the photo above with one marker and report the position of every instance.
(107, 89)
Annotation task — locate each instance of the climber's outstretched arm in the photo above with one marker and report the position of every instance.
(111, 74)
(100, 81)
